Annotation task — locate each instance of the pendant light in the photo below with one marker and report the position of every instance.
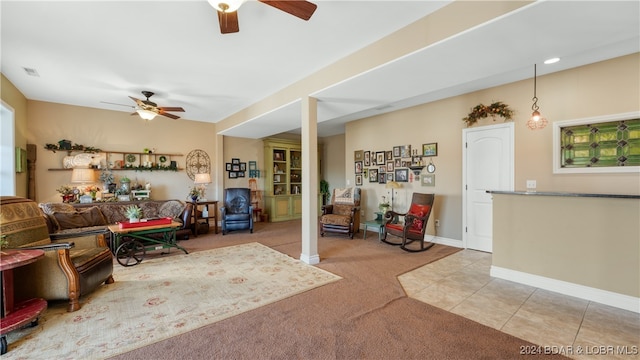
(537, 121)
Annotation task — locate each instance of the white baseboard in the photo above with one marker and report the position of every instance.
(310, 259)
(444, 241)
(621, 301)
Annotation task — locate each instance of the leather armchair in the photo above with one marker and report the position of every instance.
(71, 267)
(343, 214)
(236, 212)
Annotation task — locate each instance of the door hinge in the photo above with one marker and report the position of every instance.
(465, 229)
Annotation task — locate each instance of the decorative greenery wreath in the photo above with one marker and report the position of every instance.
(481, 111)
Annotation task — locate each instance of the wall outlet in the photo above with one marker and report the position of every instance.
(362, 213)
(437, 223)
(531, 184)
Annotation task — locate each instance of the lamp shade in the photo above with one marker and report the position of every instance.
(146, 114)
(83, 175)
(202, 179)
(393, 185)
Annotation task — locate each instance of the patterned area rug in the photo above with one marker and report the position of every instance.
(164, 297)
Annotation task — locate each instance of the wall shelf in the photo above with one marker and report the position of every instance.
(128, 160)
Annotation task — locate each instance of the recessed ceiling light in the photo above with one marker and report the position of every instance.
(552, 61)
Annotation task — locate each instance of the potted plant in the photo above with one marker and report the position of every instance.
(67, 193)
(133, 213)
(324, 191)
(106, 177)
(194, 192)
(384, 205)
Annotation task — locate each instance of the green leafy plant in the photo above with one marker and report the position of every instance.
(482, 111)
(133, 212)
(324, 190)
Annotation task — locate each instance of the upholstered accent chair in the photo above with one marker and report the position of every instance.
(71, 267)
(412, 225)
(343, 214)
(236, 212)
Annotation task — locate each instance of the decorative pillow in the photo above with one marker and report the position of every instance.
(50, 208)
(343, 196)
(150, 209)
(172, 209)
(419, 211)
(81, 218)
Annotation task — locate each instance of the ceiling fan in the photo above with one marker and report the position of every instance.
(228, 16)
(147, 109)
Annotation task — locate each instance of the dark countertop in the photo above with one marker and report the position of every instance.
(544, 193)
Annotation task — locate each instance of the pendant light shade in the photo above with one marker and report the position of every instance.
(146, 114)
(537, 121)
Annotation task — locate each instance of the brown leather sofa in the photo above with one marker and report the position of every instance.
(70, 268)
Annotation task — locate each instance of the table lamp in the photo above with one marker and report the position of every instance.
(392, 185)
(83, 176)
(202, 180)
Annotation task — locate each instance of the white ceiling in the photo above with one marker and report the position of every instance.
(87, 53)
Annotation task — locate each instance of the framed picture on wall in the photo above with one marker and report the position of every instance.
(380, 158)
(402, 175)
(388, 155)
(359, 180)
(235, 161)
(430, 149)
(365, 173)
(382, 178)
(240, 174)
(389, 166)
(253, 165)
(429, 180)
(396, 151)
(358, 155)
(405, 151)
(235, 167)
(243, 166)
(358, 167)
(373, 175)
(228, 166)
(233, 174)
(367, 158)
(389, 176)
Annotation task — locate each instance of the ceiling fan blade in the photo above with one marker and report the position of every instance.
(228, 22)
(110, 103)
(171, 109)
(299, 8)
(138, 101)
(166, 114)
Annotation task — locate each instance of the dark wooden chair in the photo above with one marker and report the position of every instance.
(343, 214)
(412, 225)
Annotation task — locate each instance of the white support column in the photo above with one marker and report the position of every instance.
(310, 181)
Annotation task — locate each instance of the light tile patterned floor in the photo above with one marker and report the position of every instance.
(578, 328)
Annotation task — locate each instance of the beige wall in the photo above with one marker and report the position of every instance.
(603, 88)
(593, 242)
(333, 161)
(14, 98)
(116, 131)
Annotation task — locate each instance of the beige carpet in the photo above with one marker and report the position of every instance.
(164, 297)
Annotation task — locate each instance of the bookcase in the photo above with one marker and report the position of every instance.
(283, 181)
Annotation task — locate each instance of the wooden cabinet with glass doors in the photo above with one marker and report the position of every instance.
(283, 182)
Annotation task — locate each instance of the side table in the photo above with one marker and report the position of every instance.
(210, 215)
(378, 224)
(14, 315)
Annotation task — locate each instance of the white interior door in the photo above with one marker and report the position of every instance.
(488, 164)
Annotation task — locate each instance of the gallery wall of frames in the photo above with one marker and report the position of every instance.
(400, 164)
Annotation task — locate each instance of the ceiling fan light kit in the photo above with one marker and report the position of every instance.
(226, 6)
(148, 110)
(228, 16)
